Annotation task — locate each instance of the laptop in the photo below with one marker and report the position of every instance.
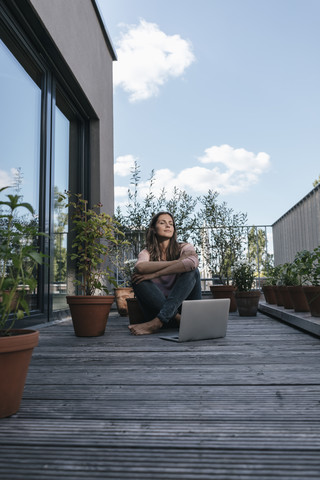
(202, 320)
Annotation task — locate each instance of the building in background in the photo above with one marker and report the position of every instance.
(298, 229)
(56, 122)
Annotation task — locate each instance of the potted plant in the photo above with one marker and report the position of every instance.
(311, 280)
(124, 290)
(247, 299)
(301, 265)
(221, 243)
(270, 284)
(94, 234)
(288, 277)
(19, 258)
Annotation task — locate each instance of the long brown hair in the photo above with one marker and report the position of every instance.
(173, 251)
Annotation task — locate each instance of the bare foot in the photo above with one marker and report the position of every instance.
(146, 328)
(178, 318)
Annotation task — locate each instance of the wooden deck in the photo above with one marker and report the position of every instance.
(123, 407)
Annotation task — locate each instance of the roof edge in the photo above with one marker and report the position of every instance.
(105, 32)
(312, 192)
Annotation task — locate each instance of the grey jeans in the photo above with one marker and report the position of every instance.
(154, 303)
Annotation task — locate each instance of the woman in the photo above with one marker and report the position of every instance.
(165, 274)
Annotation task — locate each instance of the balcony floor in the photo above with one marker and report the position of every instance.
(124, 407)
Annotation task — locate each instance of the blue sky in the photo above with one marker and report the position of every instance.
(220, 94)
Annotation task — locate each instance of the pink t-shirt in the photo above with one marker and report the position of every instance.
(166, 282)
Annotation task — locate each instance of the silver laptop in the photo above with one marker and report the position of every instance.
(201, 320)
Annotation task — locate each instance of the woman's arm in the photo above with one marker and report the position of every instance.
(146, 273)
(147, 270)
(153, 267)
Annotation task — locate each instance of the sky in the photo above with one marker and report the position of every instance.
(218, 94)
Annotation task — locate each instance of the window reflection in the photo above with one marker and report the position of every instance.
(20, 116)
(61, 181)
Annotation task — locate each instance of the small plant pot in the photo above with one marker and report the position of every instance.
(269, 294)
(225, 291)
(134, 311)
(312, 294)
(90, 313)
(247, 302)
(15, 355)
(286, 299)
(278, 294)
(121, 294)
(299, 300)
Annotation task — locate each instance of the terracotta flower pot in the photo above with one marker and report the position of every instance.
(278, 294)
(134, 311)
(247, 302)
(286, 299)
(225, 291)
(312, 294)
(299, 300)
(15, 354)
(269, 294)
(121, 294)
(90, 313)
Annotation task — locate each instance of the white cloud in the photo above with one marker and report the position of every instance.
(147, 58)
(120, 192)
(124, 165)
(234, 171)
(6, 179)
(236, 159)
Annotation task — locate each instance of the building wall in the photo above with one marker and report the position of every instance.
(298, 229)
(58, 57)
(75, 28)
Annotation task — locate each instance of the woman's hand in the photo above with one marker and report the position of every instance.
(141, 277)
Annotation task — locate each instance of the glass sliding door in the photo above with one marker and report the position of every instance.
(20, 119)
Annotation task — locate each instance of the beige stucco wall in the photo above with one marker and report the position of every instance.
(75, 29)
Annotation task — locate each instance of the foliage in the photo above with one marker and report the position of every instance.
(308, 266)
(134, 219)
(224, 235)
(288, 274)
(19, 258)
(217, 232)
(127, 269)
(137, 215)
(60, 236)
(95, 232)
(257, 248)
(316, 182)
(243, 275)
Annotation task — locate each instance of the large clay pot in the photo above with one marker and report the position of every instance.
(247, 302)
(90, 313)
(15, 355)
(225, 291)
(278, 294)
(269, 294)
(134, 311)
(121, 294)
(286, 298)
(312, 294)
(299, 300)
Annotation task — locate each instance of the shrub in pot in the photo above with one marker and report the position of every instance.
(124, 289)
(311, 279)
(95, 233)
(247, 299)
(297, 295)
(269, 286)
(289, 277)
(19, 258)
